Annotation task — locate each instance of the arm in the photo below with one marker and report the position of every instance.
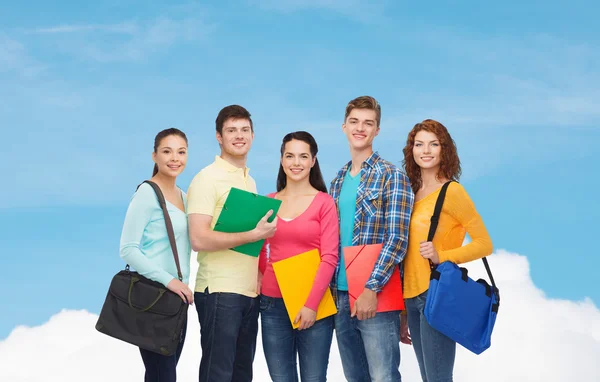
(329, 253)
(202, 200)
(461, 207)
(137, 218)
(204, 239)
(397, 205)
(262, 258)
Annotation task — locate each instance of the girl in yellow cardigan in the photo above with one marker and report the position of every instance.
(430, 160)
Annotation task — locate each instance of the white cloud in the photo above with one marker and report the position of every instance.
(124, 41)
(366, 12)
(14, 57)
(535, 339)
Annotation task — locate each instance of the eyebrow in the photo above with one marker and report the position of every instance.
(435, 140)
(234, 127)
(290, 153)
(356, 119)
(167, 147)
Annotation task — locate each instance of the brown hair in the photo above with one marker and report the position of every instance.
(232, 111)
(449, 161)
(162, 135)
(364, 102)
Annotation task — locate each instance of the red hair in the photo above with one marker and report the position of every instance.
(449, 161)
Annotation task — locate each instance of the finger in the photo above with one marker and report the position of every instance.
(353, 311)
(267, 215)
(297, 319)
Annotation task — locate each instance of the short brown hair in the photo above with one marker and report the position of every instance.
(232, 111)
(364, 102)
(449, 161)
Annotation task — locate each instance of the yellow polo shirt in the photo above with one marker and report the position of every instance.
(225, 270)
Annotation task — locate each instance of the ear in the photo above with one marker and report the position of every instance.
(377, 131)
(153, 157)
(314, 160)
(219, 138)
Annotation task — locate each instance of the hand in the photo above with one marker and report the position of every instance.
(259, 278)
(306, 317)
(365, 306)
(429, 252)
(404, 334)
(264, 229)
(181, 290)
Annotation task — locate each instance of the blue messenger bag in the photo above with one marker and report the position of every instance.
(457, 306)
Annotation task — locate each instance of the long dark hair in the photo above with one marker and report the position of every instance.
(162, 135)
(315, 178)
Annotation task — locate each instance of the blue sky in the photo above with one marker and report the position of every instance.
(86, 86)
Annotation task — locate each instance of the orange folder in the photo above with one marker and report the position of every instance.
(295, 276)
(360, 261)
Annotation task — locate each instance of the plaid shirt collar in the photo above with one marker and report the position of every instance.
(370, 162)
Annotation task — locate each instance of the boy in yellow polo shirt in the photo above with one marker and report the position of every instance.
(226, 283)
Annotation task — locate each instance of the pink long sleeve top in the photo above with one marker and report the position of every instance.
(317, 227)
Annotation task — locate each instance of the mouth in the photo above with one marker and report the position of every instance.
(239, 144)
(296, 170)
(426, 159)
(174, 166)
(359, 136)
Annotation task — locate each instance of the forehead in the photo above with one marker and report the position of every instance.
(236, 123)
(363, 114)
(173, 141)
(425, 136)
(296, 146)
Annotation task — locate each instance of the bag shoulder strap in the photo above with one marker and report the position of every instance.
(435, 219)
(439, 203)
(168, 223)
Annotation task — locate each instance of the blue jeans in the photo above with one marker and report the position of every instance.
(282, 343)
(435, 352)
(162, 368)
(369, 349)
(228, 330)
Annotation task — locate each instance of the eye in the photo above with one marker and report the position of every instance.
(166, 151)
(417, 145)
(182, 152)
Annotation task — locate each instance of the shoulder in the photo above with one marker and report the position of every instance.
(392, 172)
(325, 200)
(144, 191)
(456, 189)
(145, 196)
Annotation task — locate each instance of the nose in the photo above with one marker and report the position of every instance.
(426, 149)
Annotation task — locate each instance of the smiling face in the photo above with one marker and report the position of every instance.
(171, 155)
(361, 128)
(427, 150)
(236, 138)
(297, 160)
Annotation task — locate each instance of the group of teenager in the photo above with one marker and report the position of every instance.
(370, 201)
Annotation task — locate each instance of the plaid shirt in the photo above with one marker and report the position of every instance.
(384, 202)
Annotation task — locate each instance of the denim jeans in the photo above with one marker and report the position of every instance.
(162, 368)
(435, 352)
(281, 344)
(228, 330)
(369, 349)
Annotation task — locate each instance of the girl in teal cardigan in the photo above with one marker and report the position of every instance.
(145, 244)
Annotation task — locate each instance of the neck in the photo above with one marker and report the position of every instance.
(429, 177)
(293, 188)
(358, 157)
(165, 182)
(237, 161)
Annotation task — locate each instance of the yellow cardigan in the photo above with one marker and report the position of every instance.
(458, 217)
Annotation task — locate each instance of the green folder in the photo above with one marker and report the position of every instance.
(241, 212)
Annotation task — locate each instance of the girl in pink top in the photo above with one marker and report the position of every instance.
(307, 219)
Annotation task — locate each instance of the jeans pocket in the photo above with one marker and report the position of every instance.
(265, 303)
